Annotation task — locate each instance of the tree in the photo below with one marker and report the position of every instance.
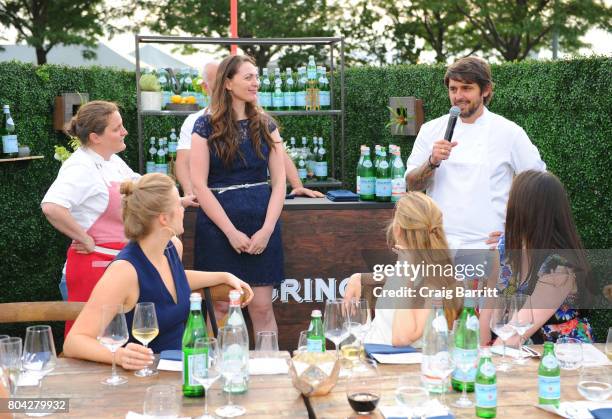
(257, 19)
(511, 29)
(44, 24)
(436, 23)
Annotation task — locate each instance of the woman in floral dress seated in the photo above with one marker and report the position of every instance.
(541, 254)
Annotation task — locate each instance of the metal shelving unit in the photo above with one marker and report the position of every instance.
(336, 112)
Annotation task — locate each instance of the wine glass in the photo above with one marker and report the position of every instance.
(113, 335)
(411, 397)
(208, 372)
(522, 322)
(10, 360)
(145, 329)
(363, 388)
(360, 319)
(569, 353)
(595, 383)
(465, 361)
(501, 325)
(39, 356)
(335, 322)
(234, 357)
(609, 344)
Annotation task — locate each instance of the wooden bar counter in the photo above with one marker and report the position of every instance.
(324, 243)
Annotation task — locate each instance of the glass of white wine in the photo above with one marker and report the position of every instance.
(113, 335)
(145, 329)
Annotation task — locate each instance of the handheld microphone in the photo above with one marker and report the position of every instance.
(452, 120)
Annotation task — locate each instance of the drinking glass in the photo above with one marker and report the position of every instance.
(208, 373)
(39, 356)
(363, 388)
(411, 397)
(113, 335)
(595, 383)
(501, 325)
(303, 341)
(10, 361)
(161, 402)
(569, 353)
(266, 344)
(145, 329)
(360, 318)
(335, 322)
(231, 341)
(609, 344)
(522, 322)
(463, 362)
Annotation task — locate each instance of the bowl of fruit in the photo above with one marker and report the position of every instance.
(182, 103)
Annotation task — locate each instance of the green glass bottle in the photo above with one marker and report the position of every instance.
(172, 144)
(383, 178)
(289, 91)
(194, 329)
(151, 168)
(315, 338)
(321, 162)
(324, 91)
(359, 163)
(549, 377)
(486, 386)
(265, 91)
(10, 146)
(466, 346)
(278, 100)
(367, 177)
(300, 91)
(398, 180)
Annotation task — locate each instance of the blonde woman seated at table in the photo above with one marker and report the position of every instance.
(416, 235)
(541, 255)
(148, 269)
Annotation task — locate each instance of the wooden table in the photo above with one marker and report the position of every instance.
(80, 381)
(517, 392)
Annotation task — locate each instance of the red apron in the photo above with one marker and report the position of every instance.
(84, 270)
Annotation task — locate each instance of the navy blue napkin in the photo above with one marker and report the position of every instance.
(171, 355)
(603, 413)
(377, 348)
(342, 195)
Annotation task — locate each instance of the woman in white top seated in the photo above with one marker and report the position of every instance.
(416, 235)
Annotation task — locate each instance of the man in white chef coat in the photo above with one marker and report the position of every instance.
(470, 177)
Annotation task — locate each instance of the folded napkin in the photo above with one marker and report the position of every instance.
(397, 359)
(167, 365)
(268, 366)
(171, 355)
(342, 195)
(593, 357)
(605, 413)
(27, 379)
(580, 409)
(515, 353)
(433, 407)
(378, 348)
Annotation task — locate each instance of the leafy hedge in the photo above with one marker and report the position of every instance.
(564, 106)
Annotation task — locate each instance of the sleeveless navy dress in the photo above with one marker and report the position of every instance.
(245, 207)
(171, 317)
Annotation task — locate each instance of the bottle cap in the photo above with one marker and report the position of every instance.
(316, 313)
(195, 296)
(234, 295)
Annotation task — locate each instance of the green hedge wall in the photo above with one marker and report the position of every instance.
(564, 106)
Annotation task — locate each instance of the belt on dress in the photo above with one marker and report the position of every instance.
(232, 187)
(106, 251)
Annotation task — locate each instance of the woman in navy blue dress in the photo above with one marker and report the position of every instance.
(148, 269)
(232, 149)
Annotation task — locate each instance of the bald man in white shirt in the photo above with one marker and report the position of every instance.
(184, 145)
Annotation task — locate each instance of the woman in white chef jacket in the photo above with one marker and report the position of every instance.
(84, 201)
